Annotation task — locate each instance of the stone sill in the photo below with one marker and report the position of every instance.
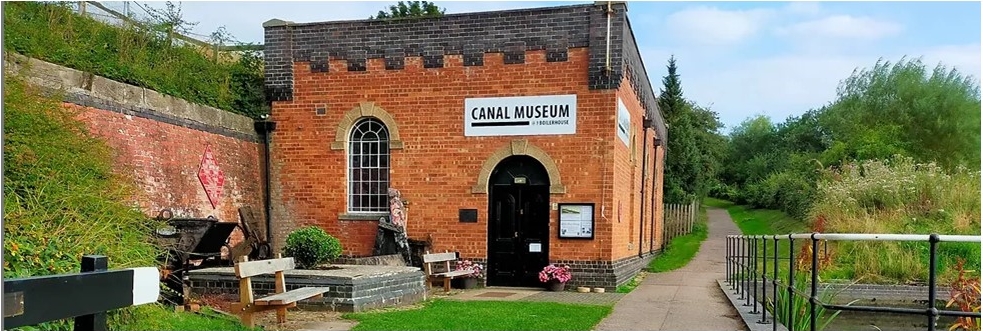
(361, 216)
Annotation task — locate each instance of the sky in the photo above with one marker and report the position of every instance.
(740, 59)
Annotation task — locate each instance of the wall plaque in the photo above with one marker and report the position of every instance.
(576, 220)
(468, 215)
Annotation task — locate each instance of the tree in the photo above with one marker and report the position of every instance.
(694, 146)
(410, 9)
(671, 95)
(169, 20)
(906, 108)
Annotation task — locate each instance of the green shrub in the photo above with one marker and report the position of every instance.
(62, 198)
(311, 246)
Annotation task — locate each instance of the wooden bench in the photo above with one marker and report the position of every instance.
(448, 274)
(280, 300)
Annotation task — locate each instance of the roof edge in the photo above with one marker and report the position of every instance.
(273, 22)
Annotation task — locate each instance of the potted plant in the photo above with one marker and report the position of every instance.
(555, 277)
(469, 281)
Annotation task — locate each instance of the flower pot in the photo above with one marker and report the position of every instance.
(555, 285)
(465, 283)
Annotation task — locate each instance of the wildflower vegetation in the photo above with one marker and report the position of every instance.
(892, 154)
(142, 54)
(899, 196)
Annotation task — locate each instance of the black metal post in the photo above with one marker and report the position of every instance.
(97, 321)
(727, 266)
(754, 274)
(813, 298)
(774, 287)
(764, 279)
(791, 283)
(747, 272)
(739, 263)
(932, 312)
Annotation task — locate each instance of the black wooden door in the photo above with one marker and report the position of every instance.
(518, 230)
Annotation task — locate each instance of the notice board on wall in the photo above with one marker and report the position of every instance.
(576, 220)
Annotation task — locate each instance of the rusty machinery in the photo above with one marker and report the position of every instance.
(194, 243)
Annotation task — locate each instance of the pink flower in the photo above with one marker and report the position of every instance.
(552, 271)
(476, 269)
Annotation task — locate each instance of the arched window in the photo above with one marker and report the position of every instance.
(368, 167)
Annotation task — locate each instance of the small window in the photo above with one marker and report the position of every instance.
(368, 167)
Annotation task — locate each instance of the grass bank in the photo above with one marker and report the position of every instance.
(135, 55)
(157, 317)
(484, 315)
(64, 199)
(680, 250)
(759, 221)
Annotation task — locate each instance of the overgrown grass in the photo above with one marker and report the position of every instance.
(53, 32)
(680, 250)
(157, 317)
(484, 315)
(63, 199)
(899, 196)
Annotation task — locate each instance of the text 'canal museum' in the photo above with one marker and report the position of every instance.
(517, 138)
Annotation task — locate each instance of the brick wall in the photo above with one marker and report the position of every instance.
(160, 140)
(438, 165)
(419, 73)
(164, 159)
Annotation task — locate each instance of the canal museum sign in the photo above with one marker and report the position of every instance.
(526, 115)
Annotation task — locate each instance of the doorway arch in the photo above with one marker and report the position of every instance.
(518, 221)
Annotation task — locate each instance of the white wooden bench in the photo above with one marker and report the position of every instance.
(280, 300)
(448, 274)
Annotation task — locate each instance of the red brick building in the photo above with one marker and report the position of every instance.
(489, 124)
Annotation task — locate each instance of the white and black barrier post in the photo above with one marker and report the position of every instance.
(86, 296)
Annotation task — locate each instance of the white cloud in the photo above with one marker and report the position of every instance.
(842, 27)
(713, 26)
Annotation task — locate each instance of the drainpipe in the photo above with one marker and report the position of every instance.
(656, 143)
(646, 123)
(264, 127)
(607, 54)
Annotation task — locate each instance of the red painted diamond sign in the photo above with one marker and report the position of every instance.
(211, 176)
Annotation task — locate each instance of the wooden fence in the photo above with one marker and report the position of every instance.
(679, 219)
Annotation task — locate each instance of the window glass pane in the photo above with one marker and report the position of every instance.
(369, 167)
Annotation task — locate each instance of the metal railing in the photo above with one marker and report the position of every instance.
(743, 276)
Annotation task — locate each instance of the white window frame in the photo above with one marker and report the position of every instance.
(380, 204)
